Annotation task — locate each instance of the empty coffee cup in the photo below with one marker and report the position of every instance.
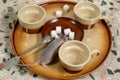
(32, 17)
(88, 13)
(74, 55)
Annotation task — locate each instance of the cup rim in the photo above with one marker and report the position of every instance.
(72, 65)
(75, 7)
(31, 6)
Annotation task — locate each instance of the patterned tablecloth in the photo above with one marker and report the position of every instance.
(110, 70)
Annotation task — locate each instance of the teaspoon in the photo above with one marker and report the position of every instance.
(14, 61)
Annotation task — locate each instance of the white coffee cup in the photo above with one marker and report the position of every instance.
(32, 17)
(88, 13)
(74, 55)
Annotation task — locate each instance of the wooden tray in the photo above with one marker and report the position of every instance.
(99, 37)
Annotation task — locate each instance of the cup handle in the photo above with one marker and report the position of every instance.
(106, 19)
(95, 51)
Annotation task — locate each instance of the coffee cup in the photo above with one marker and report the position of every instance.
(88, 13)
(31, 18)
(74, 55)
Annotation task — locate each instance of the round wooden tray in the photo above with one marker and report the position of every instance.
(98, 37)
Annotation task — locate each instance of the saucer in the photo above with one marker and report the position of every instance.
(64, 23)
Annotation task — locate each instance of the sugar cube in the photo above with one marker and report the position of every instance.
(58, 13)
(58, 29)
(66, 7)
(71, 35)
(54, 34)
(67, 31)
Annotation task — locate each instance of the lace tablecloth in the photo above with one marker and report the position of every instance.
(110, 70)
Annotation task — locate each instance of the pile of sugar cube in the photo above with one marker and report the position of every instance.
(58, 30)
(59, 13)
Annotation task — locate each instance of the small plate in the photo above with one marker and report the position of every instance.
(98, 37)
(65, 23)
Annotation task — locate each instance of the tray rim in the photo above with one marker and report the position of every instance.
(72, 77)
